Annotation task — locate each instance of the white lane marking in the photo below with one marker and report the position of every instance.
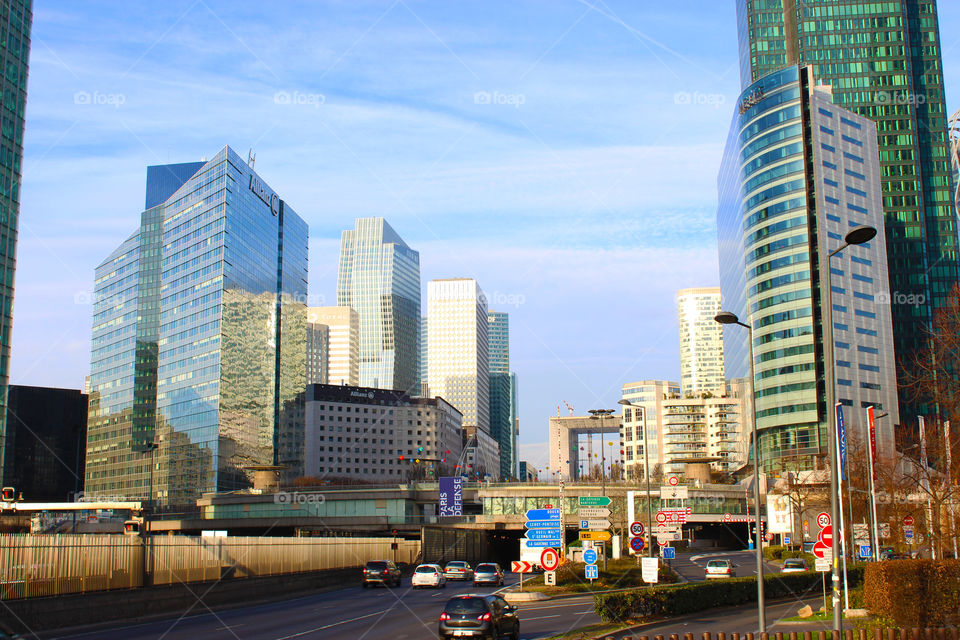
(229, 627)
(542, 617)
(335, 624)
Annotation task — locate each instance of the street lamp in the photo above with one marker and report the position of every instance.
(600, 414)
(646, 473)
(726, 317)
(873, 491)
(150, 447)
(857, 235)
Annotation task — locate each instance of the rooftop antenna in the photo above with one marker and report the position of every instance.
(251, 158)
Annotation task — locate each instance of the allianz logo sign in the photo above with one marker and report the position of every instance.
(263, 192)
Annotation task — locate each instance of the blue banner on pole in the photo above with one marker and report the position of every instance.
(451, 497)
(842, 439)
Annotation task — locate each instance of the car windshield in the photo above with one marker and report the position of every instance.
(793, 563)
(426, 569)
(457, 565)
(378, 566)
(718, 564)
(486, 568)
(466, 605)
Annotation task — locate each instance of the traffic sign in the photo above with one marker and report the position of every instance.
(673, 492)
(542, 544)
(549, 559)
(649, 567)
(908, 533)
(826, 535)
(550, 578)
(673, 480)
(669, 553)
(590, 556)
(596, 536)
(884, 530)
(786, 539)
(636, 529)
(543, 534)
(864, 551)
(543, 514)
(542, 524)
(636, 544)
(662, 541)
(822, 565)
(585, 513)
(823, 519)
(594, 524)
(727, 517)
(908, 521)
(768, 537)
(519, 566)
(592, 572)
(594, 501)
(820, 550)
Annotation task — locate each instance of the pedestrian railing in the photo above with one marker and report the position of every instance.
(941, 633)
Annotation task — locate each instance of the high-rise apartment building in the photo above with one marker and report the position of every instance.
(16, 20)
(798, 173)
(457, 348)
(379, 278)
(343, 344)
(884, 62)
(649, 397)
(198, 337)
(318, 352)
(701, 341)
(502, 416)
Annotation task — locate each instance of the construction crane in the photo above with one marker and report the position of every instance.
(569, 408)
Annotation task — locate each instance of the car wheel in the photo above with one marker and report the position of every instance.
(516, 633)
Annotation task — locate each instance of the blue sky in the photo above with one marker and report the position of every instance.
(562, 152)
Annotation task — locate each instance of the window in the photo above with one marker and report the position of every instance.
(854, 141)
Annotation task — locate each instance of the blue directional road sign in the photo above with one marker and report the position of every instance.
(864, 551)
(592, 572)
(544, 534)
(543, 544)
(786, 539)
(636, 544)
(543, 514)
(543, 524)
(590, 557)
(669, 553)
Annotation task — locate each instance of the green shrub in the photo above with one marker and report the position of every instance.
(913, 593)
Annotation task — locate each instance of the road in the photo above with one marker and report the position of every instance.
(354, 613)
(691, 566)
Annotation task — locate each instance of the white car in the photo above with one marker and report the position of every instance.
(429, 575)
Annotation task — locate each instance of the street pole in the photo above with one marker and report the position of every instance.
(646, 473)
(871, 439)
(600, 414)
(725, 317)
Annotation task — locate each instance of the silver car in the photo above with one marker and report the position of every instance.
(488, 573)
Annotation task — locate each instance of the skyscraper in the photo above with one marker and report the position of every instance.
(502, 418)
(457, 348)
(379, 277)
(198, 337)
(884, 62)
(701, 341)
(16, 19)
(343, 344)
(798, 173)
(318, 352)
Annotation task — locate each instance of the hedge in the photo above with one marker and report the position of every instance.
(914, 593)
(692, 597)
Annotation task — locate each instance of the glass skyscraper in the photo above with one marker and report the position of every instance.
(798, 172)
(502, 415)
(16, 19)
(198, 341)
(379, 277)
(884, 62)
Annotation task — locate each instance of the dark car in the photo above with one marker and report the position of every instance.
(478, 616)
(488, 573)
(382, 572)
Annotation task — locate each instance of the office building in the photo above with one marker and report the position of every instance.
(379, 278)
(502, 383)
(424, 389)
(375, 435)
(482, 455)
(343, 343)
(46, 437)
(198, 337)
(649, 397)
(457, 348)
(884, 62)
(701, 341)
(798, 173)
(17, 21)
(528, 472)
(318, 352)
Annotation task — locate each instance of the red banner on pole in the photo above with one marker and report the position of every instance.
(872, 422)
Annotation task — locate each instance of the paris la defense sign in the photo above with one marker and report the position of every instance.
(451, 497)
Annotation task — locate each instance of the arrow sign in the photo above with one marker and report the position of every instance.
(521, 567)
(542, 524)
(585, 513)
(594, 501)
(543, 514)
(544, 534)
(594, 524)
(596, 536)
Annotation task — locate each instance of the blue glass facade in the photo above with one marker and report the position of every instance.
(198, 338)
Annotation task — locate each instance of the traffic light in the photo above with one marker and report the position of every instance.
(131, 527)
(8, 494)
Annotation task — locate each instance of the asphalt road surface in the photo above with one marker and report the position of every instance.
(355, 613)
(692, 565)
